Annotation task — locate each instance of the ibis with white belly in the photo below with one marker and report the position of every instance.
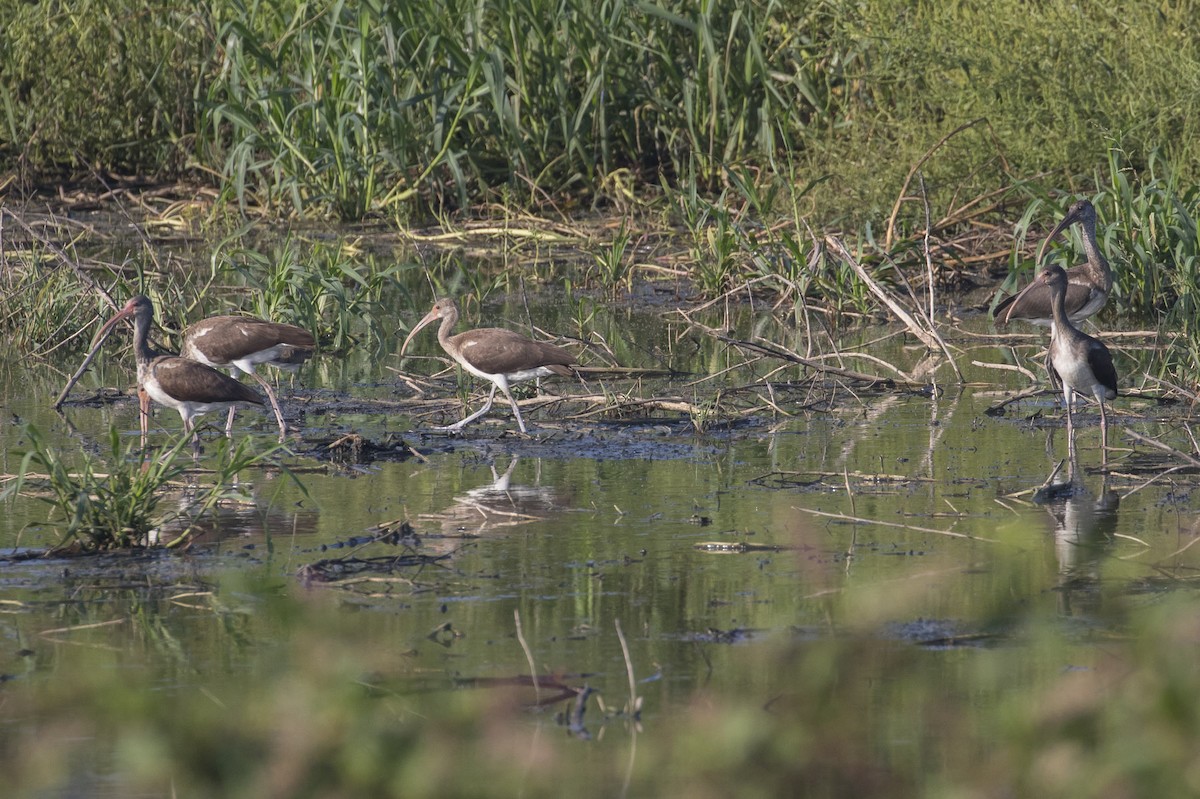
(240, 343)
(191, 388)
(499, 356)
(1087, 286)
(1082, 363)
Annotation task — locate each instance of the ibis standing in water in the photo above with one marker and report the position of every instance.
(1082, 363)
(239, 343)
(497, 355)
(1087, 287)
(189, 387)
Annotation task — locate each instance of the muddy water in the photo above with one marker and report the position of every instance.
(882, 509)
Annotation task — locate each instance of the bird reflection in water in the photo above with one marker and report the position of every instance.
(244, 523)
(1084, 529)
(499, 504)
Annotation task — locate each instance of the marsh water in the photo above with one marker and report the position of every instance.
(779, 510)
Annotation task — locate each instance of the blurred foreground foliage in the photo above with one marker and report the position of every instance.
(322, 711)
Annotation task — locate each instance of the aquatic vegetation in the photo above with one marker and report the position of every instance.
(333, 289)
(114, 501)
(614, 262)
(835, 712)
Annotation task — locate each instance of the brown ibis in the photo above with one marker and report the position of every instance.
(1088, 284)
(240, 343)
(494, 354)
(189, 387)
(1082, 363)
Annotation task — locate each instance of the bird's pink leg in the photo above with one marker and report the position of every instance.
(275, 407)
(189, 426)
(275, 404)
(513, 403)
(1072, 453)
(459, 425)
(1103, 436)
(144, 415)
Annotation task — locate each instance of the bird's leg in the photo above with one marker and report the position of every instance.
(274, 406)
(1103, 436)
(513, 403)
(144, 414)
(189, 426)
(459, 425)
(1072, 454)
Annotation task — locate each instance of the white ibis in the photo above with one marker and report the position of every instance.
(494, 354)
(239, 343)
(187, 386)
(1088, 284)
(1082, 363)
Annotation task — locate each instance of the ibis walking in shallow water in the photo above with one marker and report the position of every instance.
(497, 355)
(239, 343)
(1082, 363)
(189, 387)
(1087, 285)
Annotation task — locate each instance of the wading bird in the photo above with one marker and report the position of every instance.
(1088, 284)
(494, 354)
(239, 343)
(187, 386)
(1082, 363)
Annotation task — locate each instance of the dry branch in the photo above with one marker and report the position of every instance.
(860, 520)
(1183, 456)
(904, 316)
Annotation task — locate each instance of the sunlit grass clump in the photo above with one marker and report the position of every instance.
(116, 501)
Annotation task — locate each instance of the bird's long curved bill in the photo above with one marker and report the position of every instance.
(101, 335)
(1038, 280)
(1066, 222)
(429, 317)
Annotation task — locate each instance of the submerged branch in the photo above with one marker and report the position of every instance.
(879, 522)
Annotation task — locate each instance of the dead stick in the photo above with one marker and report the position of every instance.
(891, 228)
(881, 523)
(82, 368)
(904, 316)
(634, 702)
(537, 691)
(1163, 447)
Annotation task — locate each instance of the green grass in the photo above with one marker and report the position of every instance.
(114, 501)
(752, 128)
(356, 108)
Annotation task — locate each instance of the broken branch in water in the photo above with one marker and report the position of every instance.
(1190, 460)
(860, 520)
(87, 361)
(537, 691)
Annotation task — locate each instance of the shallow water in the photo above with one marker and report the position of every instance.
(885, 512)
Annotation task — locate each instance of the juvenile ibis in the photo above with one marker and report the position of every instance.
(1082, 363)
(1088, 284)
(239, 343)
(497, 355)
(189, 387)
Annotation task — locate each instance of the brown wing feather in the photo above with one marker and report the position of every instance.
(195, 382)
(227, 338)
(1036, 303)
(495, 350)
